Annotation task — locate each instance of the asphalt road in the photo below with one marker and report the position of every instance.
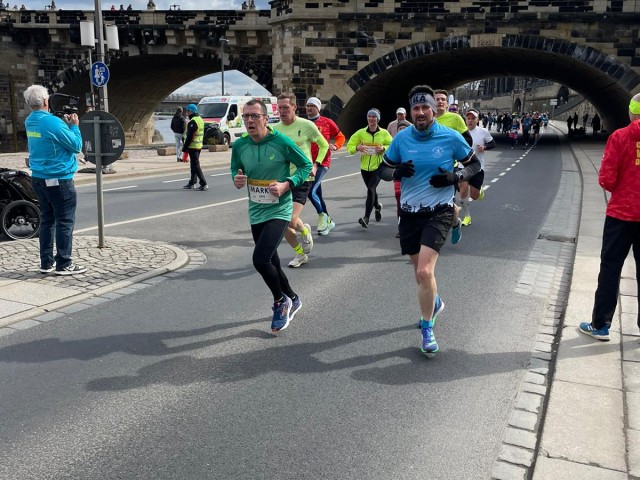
(185, 381)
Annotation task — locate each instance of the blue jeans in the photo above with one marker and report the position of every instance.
(178, 138)
(315, 194)
(58, 211)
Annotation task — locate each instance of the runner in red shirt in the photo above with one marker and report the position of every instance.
(329, 130)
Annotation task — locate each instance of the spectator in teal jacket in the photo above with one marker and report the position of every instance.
(53, 144)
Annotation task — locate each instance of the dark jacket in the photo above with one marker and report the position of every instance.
(178, 123)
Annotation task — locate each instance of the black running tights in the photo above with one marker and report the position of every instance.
(267, 236)
(371, 180)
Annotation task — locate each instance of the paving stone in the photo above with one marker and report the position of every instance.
(582, 359)
(629, 323)
(535, 378)
(630, 348)
(529, 402)
(634, 453)
(520, 438)
(506, 471)
(76, 307)
(47, 317)
(533, 388)
(6, 331)
(559, 469)
(25, 324)
(516, 455)
(631, 372)
(567, 429)
(524, 420)
(633, 410)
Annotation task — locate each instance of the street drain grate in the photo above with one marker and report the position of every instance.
(557, 238)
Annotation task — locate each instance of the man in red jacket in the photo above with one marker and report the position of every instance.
(620, 175)
(329, 131)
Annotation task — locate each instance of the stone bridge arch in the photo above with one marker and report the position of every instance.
(144, 81)
(447, 63)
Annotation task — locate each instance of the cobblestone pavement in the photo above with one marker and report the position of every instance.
(26, 292)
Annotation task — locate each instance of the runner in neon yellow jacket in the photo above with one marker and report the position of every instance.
(371, 142)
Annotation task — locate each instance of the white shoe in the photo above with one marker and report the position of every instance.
(322, 223)
(299, 260)
(330, 226)
(307, 240)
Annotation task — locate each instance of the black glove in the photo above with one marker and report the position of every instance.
(407, 170)
(185, 149)
(444, 179)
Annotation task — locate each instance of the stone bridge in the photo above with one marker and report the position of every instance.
(351, 54)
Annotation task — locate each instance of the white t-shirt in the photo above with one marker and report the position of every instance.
(480, 136)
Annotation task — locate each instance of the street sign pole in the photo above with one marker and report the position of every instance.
(104, 97)
(98, 152)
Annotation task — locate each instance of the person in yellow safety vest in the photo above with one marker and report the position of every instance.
(193, 145)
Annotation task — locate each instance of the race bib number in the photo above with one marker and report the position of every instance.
(370, 149)
(259, 191)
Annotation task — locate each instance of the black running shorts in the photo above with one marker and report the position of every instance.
(429, 229)
(301, 193)
(477, 180)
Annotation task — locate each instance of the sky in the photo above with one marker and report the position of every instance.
(235, 83)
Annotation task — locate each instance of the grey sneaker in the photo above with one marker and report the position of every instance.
(71, 269)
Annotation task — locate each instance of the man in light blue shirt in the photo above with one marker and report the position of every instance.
(423, 157)
(53, 144)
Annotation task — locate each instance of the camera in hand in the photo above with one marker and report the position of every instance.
(61, 104)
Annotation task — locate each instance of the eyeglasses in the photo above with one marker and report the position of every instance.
(252, 116)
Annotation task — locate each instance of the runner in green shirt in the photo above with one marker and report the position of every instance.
(260, 162)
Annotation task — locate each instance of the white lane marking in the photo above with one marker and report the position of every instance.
(513, 164)
(517, 161)
(495, 180)
(502, 174)
(486, 187)
(220, 174)
(180, 212)
(119, 188)
(178, 180)
(507, 169)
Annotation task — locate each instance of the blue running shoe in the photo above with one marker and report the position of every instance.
(601, 334)
(438, 307)
(281, 315)
(456, 233)
(295, 306)
(429, 344)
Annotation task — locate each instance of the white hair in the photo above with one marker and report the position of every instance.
(35, 96)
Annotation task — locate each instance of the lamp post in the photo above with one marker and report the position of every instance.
(223, 41)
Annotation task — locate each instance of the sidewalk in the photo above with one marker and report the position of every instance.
(28, 297)
(591, 429)
(592, 424)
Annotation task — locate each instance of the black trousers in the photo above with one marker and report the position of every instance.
(196, 170)
(371, 180)
(267, 236)
(618, 237)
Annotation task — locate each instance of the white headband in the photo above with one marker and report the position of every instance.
(423, 98)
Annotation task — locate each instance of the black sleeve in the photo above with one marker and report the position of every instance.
(490, 145)
(468, 138)
(191, 130)
(471, 166)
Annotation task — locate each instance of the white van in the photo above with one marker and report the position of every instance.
(223, 113)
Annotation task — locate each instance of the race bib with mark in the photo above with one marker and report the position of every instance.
(259, 191)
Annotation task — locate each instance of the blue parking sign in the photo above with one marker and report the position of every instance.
(99, 74)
